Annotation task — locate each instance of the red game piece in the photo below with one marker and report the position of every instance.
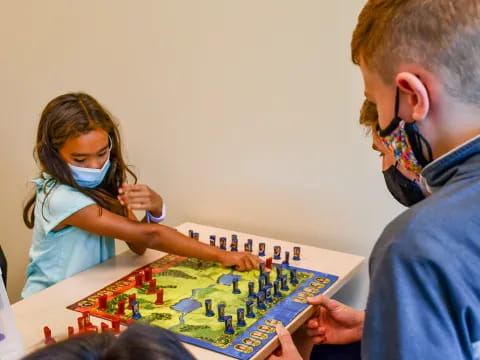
(81, 324)
(148, 273)
(152, 288)
(104, 327)
(131, 298)
(48, 336)
(91, 329)
(116, 325)
(268, 263)
(86, 316)
(138, 280)
(71, 331)
(159, 300)
(121, 307)
(102, 302)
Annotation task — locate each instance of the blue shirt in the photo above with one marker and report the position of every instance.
(424, 299)
(56, 255)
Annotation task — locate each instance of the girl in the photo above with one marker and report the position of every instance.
(82, 202)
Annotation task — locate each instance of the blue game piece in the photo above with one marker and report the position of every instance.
(268, 293)
(293, 277)
(191, 233)
(261, 282)
(213, 239)
(208, 308)
(261, 249)
(223, 243)
(261, 267)
(284, 283)
(279, 269)
(246, 247)
(228, 325)
(261, 300)
(221, 312)
(267, 278)
(241, 317)
(296, 253)
(250, 244)
(251, 290)
(250, 313)
(196, 236)
(136, 310)
(276, 289)
(235, 290)
(287, 258)
(234, 243)
(277, 250)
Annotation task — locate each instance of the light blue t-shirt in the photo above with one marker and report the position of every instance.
(56, 255)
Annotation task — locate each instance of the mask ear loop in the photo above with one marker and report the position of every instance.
(396, 120)
(417, 141)
(111, 143)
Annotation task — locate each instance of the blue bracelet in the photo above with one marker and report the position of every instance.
(153, 219)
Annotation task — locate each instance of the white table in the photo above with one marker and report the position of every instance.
(48, 307)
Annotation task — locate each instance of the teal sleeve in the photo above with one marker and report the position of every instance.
(62, 202)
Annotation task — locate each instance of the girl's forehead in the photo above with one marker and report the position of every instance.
(90, 142)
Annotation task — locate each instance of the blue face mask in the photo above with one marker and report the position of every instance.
(88, 177)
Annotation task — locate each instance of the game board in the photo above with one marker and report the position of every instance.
(176, 293)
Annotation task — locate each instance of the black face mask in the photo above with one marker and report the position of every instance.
(407, 192)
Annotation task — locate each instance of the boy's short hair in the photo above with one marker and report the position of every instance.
(443, 36)
(137, 342)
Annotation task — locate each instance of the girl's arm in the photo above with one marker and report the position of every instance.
(136, 248)
(100, 221)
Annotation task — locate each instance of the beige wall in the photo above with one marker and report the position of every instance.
(242, 114)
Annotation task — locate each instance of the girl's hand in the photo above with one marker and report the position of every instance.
(140, 197)
(241, 260)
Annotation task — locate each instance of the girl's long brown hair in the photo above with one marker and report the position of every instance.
(68, 116)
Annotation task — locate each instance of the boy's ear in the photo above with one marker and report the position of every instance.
(418, 97)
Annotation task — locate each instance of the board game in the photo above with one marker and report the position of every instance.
(208, 305)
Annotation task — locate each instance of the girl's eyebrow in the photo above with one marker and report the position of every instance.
(99, 151)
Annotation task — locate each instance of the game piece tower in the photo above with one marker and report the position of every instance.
(250, 313)
(261, 267)
(213, 240)
(221, 312)
(71, 331)
(148, 273)
(228, 325)
(131, 298)
(251, 289)
(104, 326)
(279, 269)
(48, 336)
(266, 275)
(234, 243)
(261, 283)
(136, 310)
(159, 300)
(296, 253)
(102, 302)
(276, 289)
(235, 290)
(261, 300)
(293, 277)
(287, 258)
(223, 243)
(261, 249)
(152, 287)
(284, 283)
(268, 263)
(81, 324)
(268, 293)
(116, 325)
(277, 250)
(241, 317)
(208, 308)
(138, 280)
(121, 307)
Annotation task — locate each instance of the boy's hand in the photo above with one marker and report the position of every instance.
(334, 322)
(287, 349)
(241, 260)
(140, 197)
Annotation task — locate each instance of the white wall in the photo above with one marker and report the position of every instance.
(242, 114)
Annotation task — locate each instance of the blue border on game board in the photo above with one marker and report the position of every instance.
(285, 311)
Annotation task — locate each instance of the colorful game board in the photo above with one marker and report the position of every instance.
(173, 293)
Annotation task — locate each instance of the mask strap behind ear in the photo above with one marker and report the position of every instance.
(396, 120)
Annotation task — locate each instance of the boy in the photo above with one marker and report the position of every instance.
(419, 61)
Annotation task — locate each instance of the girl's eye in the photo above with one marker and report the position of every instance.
(102, 154)
(79, 161)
